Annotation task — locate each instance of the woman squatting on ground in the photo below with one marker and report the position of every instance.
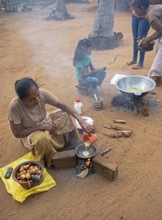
(40, 132)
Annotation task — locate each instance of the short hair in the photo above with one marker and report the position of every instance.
(141, 4)
(23, 86)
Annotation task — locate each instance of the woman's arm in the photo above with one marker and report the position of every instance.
(157, 26)
(91, 72)
(86, 127)
(20, 132)
(91, 67)
(155, 2)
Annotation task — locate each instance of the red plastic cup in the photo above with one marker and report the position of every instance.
(89, 138)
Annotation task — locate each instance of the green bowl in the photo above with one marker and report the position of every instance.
(99, 99)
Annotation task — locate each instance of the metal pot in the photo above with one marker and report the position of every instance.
(84, 152)
(135, 86)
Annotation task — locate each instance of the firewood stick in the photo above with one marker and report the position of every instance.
(124, 131)
(112, 135)
(118, 134)
(28, 181)
(105, 151)
(119, 121)
(113, 127)
(106, 134)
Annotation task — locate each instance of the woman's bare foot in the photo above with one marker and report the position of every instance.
(137, 67)
(131, 62)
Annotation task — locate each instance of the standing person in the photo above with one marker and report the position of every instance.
(86, 74)
(42, 134)
(140, 28)
(153, 14)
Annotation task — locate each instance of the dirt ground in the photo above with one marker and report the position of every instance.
(31, 46)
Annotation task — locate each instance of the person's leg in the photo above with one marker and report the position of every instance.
(135, 36)
(143, 29)
(100, 76)
(92, 82)
(44, 145)
(82, 82)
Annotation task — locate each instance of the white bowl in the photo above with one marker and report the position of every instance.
(87, 119)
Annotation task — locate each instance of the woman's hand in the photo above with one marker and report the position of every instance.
(46, 126)
(143, 43)
(87, 127)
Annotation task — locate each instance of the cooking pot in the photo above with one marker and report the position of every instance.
(85, 152)
(135, 86)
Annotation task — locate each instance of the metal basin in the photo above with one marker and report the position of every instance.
(135, 85)
(85, 152)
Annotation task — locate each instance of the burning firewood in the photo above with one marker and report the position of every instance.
(119, 121)
(83, 173)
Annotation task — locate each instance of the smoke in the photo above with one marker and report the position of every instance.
(49, 45)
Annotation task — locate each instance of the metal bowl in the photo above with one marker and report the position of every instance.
(135, 85)
(85, 152)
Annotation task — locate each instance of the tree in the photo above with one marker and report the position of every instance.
(14, 5)
(102, 35)
(61, 8)
(60, 12)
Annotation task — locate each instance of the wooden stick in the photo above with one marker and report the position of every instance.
(105, 151)
(119, 121)
(113, 127)
(28, 181)
(118, 134)
(124, 131)
(112, 135)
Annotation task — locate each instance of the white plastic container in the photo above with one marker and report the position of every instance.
(78, 106)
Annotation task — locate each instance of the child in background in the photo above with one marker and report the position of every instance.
(86, 74)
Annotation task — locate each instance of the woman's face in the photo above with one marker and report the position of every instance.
(32, 100)
(89, 50)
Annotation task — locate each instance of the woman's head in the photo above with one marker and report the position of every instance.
(28, 91)
(83, 49)
(140, 6)
(85, 44)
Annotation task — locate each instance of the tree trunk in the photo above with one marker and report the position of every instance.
(102, 35)
(61, 8)
(104, 20)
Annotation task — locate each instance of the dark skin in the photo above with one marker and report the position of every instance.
(155, 24)
(155, 2)
(152, 2)
(92, 71)
(31, 101)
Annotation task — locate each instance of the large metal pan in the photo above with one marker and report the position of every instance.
(135, 86)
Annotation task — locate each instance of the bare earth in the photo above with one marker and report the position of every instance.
(31, 46)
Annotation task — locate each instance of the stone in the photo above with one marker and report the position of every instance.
(105, 168)
(82, 89)
(64, 159)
